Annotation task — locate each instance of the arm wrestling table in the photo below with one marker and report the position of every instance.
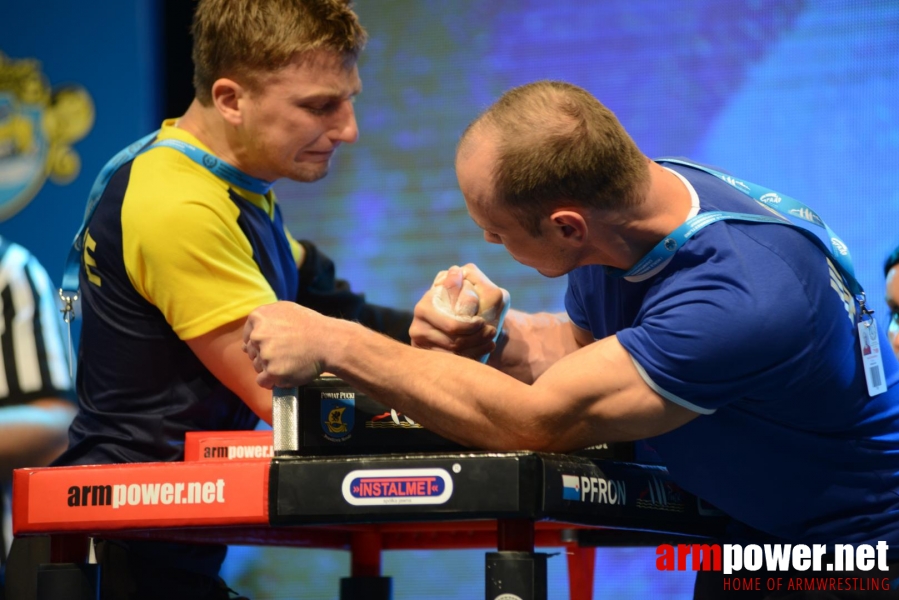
(511, 501)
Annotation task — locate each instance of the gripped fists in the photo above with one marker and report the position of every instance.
(461, 313)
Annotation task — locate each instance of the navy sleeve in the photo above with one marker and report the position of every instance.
(322, 291)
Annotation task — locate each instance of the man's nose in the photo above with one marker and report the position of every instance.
(346, 129)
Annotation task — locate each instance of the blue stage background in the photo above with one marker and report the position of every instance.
(797, 96)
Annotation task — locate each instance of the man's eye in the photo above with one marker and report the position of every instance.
(322, 109)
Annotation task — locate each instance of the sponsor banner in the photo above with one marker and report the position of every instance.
(228, 445)
(144, 495)
(623, 494)
(407, 487)
(578, 485)
(596, 490)
(397, 486)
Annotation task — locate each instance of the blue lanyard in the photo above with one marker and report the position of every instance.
(69, 291)
(665, 249)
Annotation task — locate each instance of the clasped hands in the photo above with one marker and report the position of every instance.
(291, 345)
(462, 313)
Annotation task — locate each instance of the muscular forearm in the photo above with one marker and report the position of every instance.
(531, 343)
(463, 400)
(453, 396)
(591, 395)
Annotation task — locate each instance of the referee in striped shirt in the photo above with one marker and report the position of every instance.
(36, 393)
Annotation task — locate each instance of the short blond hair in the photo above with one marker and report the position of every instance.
(243, 38)
(555, 143)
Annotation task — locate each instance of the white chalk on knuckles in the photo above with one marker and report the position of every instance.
(467, 304)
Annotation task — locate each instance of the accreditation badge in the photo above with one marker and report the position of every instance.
(871, 357)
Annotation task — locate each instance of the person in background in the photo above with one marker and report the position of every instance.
(698, 317)
(187, 238)
(37, 401)
(891, 272)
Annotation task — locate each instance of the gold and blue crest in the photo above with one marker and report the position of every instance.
(338, 416)
(38, 127)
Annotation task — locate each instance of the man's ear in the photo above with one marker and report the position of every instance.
(570, 225)
(226, 97)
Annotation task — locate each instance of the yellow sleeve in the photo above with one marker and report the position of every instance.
(186, 254)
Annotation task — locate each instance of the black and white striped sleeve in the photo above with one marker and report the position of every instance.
(34, 358)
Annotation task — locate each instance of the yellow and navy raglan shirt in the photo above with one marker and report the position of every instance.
(171, 253)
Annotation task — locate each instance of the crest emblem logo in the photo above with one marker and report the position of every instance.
(38, 126)
(338, 416)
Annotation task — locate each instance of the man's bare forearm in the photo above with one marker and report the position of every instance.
(531, 343)
(592, 393)
(453, 396)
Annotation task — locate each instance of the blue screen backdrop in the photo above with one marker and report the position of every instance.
(799, 96)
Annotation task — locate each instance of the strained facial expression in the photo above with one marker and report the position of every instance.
(295, 118)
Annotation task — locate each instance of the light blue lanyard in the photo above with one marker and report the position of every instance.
(69, 291)
(665, 249)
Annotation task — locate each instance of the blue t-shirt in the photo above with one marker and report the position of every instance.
(750, 325)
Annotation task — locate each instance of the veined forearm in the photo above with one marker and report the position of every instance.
(593, 393)
(531, 343)
(455, 397)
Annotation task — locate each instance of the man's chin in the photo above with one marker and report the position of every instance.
(550, 274)
(545, 273)
(307, 175)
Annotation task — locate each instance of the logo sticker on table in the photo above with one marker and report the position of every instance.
(391, 487)
(571, 487)
(596, 490)
(338, 415)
